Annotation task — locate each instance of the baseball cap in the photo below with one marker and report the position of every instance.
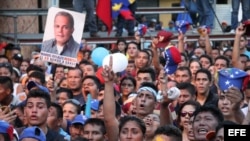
(33, 132)
(94, 104)
(231, 77)
(6, 128)
(172, 57)
(32, 84)
(164, 37)
(80, 119)
(18, 57)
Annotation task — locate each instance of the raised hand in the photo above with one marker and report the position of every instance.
(180, 36)
(240, 30)
(235, 96)
(162, 77)
(7, 115)
(107, 73)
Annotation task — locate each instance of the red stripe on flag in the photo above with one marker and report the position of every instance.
(103, 11)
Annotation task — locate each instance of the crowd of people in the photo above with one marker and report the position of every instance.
(46, 101)
(172, 91)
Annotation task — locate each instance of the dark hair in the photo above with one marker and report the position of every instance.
(58, 108)
(208, 57)
(216, 48)
(37, 93)
(79, 138)
(207, 72)
(75, 103)
(8, 66)
(68, 15)
(67, 91)
(149, 84)
(193, 103)
(222, 124)
(223, 58)
(247, 68)
(227, 51)
(185, 56)
(145, 51)
(171, 131)
(118, 110)
(84, 62)
(150, 51)
(39, 75)
(6, 82)
(132, 42)
(131, 61)
(149, 70)
(162, 60)
(194, 60)
(6, 137)
(187, 86)
(32, 67)
(132, 79)
(138, 121)
(94, 78)
(54, 67)
(4, 56)
(184, 68)
(211, 109)
(244, 55)
(93, 66)
(121, 40)
(61, 80)
(98, 122)
(77, 68)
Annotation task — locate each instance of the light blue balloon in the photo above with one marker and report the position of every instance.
(98, 55)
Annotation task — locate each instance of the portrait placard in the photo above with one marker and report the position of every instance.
(62, 36)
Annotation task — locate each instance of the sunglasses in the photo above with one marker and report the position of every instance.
(190, 114)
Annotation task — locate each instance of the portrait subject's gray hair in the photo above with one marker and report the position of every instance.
(68, 15)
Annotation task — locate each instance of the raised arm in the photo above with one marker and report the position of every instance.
(236, 48)
(181, 42)
(165, 116)
(208, 47)
(110, 119)
(156, 60)
(236, 98)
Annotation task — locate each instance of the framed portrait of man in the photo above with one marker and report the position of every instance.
(62, 36)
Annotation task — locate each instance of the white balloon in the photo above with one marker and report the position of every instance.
(120, 62)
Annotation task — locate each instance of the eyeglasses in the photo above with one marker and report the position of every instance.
(73, 101)
(190, 114)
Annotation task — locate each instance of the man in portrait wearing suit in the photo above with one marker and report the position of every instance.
(63, 43)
